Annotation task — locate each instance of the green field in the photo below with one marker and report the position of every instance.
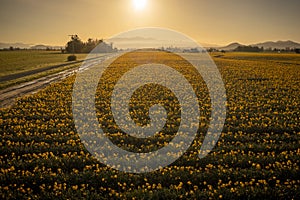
(26, 65)
(12, 62)
(256, 157)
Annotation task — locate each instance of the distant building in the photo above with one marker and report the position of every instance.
(104, 48)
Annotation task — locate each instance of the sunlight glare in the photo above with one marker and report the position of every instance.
(139, 4)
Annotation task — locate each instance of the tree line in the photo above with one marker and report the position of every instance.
(249, 49)
(75, 45)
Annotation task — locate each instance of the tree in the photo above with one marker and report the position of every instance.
(90, 45)
(248, 49)
(75, 45)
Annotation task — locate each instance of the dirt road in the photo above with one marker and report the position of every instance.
(9, 95)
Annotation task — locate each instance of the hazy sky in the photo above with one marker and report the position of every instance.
(207, 21)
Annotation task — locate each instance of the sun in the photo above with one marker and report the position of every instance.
(139, 4)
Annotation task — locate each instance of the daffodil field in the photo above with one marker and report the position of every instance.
(256, 157)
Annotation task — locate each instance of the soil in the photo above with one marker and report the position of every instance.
(9, 95)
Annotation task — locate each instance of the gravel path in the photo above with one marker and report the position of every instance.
(9, 95)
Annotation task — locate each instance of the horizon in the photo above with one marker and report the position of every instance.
(215, 22)
(205, 45)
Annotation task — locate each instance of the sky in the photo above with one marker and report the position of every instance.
(206, 21)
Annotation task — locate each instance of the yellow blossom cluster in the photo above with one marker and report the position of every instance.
(256, 157)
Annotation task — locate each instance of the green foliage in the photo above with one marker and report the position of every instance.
(249, 49)
(12, 62)
(77, 46)
(72, 58)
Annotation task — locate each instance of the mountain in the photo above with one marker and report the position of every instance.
(27, 46)
(44, 47)
(126, 42)
(39, 46)
(278, 44)
(231, 46)
(144, 42)
(208, 45)
(15, 45)
(266, 45)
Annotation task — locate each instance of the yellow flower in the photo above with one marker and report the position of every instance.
(75, 187)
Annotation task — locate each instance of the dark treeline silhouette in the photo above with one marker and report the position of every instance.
(75, 45)
(249, 49)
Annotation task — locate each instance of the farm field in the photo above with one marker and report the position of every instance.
(256, 157)
(25, 65)
(26, 60)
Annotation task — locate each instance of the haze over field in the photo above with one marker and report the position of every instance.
(118, 99)
(214, 22)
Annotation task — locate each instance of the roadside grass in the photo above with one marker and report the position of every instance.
(27, 61)
(6, 84)
(12, 62)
